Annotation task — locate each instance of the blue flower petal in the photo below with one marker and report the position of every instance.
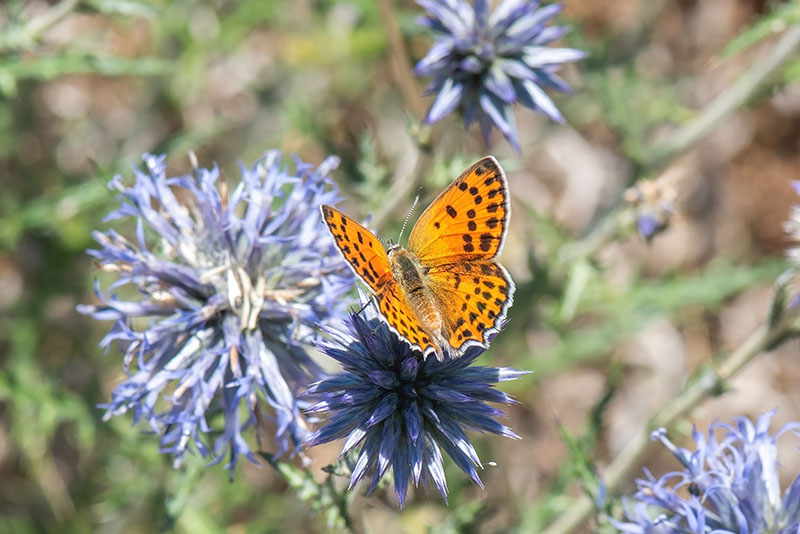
(446, 101)
(498, 82)
(500, 115)
(533, 97)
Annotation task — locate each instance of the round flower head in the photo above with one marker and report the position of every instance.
(728, 485)
(227, 289)
(403, 409)
(485, 63)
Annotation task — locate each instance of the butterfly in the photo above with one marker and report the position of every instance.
(445, 292)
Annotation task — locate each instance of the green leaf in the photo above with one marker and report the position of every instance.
(579, 275)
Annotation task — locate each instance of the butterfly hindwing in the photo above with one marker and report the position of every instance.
(362, 250)
(397, 312)
(473, 298)
(467, 221)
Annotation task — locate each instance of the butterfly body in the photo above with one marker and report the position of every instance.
(411, 277)
(445, 292)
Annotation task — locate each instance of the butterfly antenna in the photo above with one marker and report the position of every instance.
(414, 205)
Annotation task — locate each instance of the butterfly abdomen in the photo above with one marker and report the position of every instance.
(410, 276)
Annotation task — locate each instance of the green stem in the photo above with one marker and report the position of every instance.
(399, 58)
(340, 501)
(754, 79)
(403, 186)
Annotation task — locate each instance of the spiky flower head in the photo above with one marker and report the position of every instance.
(484, 63)
(729, 484)
(226, 287)
(403, 409)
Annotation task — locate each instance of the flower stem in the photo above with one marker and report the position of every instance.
(324, 497)
(402, 186)
(401, 66)
(754, 79)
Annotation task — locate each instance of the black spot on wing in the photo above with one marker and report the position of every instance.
(486, 242)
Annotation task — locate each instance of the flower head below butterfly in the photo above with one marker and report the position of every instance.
(445, 292)
(395, 410)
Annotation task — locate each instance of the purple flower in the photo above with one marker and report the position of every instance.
(402, 409)
(729, 484)
(226, 289)
(485, 62)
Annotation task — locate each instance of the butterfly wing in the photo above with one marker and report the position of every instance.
(473, 298)
(399, 315)
(467, 221)
(368, 259)
(359, 246)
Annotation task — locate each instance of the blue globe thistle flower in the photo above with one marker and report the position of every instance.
(403, 409)
(228, 287)
(729, 484)
(485, 63)
(792, 227)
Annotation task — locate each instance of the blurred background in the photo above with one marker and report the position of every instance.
(87, 86)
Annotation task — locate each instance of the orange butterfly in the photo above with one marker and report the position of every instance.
(446, 292)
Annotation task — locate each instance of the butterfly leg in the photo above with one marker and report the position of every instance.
(439, 346)
(370, 300)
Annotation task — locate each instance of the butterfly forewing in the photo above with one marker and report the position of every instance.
(467, 221)
(474, 298)
(369, 260)
(359, 246)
